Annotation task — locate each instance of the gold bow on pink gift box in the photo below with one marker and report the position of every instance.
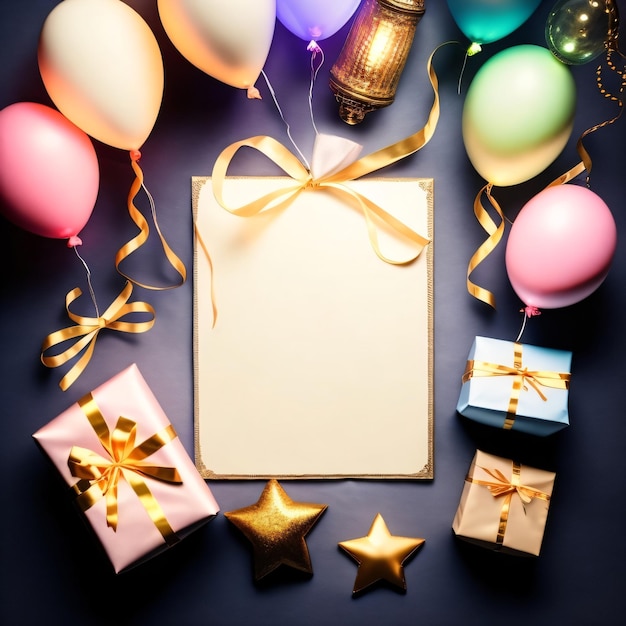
(99, 476)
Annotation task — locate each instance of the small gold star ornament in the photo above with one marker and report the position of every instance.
(276, 526)
(380, 555)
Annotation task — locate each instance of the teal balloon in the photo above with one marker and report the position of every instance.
(485, 21)
(518, 114)
(577, 31)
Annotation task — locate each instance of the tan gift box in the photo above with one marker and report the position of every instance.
(504, 505)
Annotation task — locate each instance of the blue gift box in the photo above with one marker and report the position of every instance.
(516, 386)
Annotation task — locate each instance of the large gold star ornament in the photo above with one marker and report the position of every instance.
(380, 555)
(276, 526)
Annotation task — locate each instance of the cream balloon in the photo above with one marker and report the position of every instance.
(226, 39)
(102, 67)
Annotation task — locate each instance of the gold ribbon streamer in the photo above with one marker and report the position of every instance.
(144, 230)
(522, 379)
(210, 262)
(87, 329)
(495, 232)
(302, 178)
(99, 476)
(502, 486)
(403, 148)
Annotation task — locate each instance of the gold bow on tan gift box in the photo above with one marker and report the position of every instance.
(504, 505)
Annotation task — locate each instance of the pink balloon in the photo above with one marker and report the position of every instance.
(49, 174)
(560, 247)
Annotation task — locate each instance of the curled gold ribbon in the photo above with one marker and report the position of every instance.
(87, 329)
(335, 183)
(502, 486)
(522, 379)
(99, 476)
(144, 231)
(495, 232)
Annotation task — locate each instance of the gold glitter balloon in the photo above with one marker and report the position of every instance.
(380, 555)
(276, 526)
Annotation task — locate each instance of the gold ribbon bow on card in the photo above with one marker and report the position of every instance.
(334, 182)
(87, 329)
(303, 180)
(99, 476)
(501, 486)
(523, 378)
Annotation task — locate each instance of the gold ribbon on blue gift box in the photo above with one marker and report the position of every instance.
(523, 378)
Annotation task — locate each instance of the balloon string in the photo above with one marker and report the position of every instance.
(473, 49)
(528, 311)
(92, 293)
(458, 89)
(282, 117)
(152, 209)
(315, 49)
(521, 332)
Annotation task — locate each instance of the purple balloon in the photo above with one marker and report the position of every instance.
(314, 20)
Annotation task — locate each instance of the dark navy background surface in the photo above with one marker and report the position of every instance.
(52, 572)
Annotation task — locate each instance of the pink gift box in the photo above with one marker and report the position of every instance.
(137, 486)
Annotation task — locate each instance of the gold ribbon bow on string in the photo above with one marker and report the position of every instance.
(523, 378)
(88, 328)
(334, 183)
(99, 476)
(501, 486)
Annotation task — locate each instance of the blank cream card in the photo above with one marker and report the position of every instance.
(313, 357)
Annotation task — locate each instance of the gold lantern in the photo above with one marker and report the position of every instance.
(367, 72)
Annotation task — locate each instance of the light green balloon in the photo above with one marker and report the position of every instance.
(518, 114)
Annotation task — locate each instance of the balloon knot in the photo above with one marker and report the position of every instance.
(73, 241)
(474, 48)
(254, 94)
(530, 311)
(135, 155)
(313, 46)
